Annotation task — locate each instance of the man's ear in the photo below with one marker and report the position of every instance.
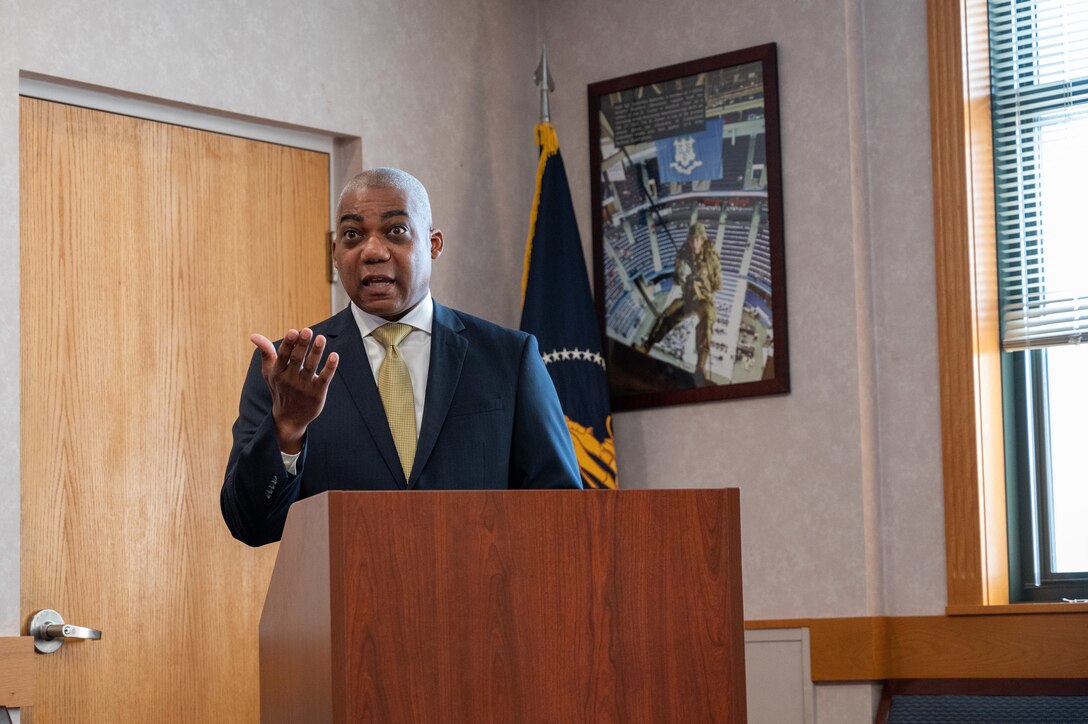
(436, 243)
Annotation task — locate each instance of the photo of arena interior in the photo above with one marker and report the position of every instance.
(646, 221)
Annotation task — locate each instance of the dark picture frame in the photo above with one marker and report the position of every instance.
(688, 242)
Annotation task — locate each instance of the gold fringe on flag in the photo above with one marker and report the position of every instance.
(549, 145)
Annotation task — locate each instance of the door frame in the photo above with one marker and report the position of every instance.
(343, 150)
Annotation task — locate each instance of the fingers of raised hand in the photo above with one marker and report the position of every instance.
(309, 361)
(299, 356)
(331, 363)
(268, 350)
(287, 347)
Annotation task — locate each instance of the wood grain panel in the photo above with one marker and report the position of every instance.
(965, 252)
(18, 683)
(149, 252)
(1012, 645)
(1030, 646)
(529, 606)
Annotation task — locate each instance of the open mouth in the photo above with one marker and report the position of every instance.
(377, 281)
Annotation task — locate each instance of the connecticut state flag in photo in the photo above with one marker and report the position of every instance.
(558, 309)
(692, 156)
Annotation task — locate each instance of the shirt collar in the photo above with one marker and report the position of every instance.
(421, 317)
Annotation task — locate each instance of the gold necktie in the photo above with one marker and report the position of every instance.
(395, 387)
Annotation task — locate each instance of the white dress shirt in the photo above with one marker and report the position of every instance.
(415, 349)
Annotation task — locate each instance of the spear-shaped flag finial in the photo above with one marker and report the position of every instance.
(543, 78)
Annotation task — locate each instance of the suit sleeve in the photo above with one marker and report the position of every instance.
(543, 455)
(257, 490)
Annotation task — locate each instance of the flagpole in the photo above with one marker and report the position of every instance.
(564, 324)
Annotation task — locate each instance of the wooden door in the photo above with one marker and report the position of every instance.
(149, 252)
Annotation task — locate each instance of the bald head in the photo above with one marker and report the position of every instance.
(393, 178)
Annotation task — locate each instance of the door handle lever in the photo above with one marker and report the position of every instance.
(49, 631)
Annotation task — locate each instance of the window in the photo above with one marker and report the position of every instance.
(1039, 106)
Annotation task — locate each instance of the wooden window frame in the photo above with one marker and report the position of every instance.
(972, 439)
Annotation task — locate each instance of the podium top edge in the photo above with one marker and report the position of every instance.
(535, 491)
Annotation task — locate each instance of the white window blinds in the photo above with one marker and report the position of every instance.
(1039, 87)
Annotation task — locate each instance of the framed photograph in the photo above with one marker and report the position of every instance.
(688, 248)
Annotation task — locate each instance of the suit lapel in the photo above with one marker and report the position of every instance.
(448, 349)
(354, 372)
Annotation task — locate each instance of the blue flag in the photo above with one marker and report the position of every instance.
(557, 308)
(691, 156)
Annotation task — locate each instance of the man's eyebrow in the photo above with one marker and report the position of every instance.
(384, 216)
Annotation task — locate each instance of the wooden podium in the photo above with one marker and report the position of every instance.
(506, 606)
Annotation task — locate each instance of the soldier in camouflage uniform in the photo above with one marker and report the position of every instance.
(698, 273)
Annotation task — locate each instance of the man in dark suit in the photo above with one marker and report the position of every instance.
(438, 400)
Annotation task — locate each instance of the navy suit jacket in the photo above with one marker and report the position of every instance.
(491, 419)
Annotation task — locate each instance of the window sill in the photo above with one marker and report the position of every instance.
(1017, 608)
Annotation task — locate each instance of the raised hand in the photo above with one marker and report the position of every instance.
(298, 388)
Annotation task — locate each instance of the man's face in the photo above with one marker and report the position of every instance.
(383, 250)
